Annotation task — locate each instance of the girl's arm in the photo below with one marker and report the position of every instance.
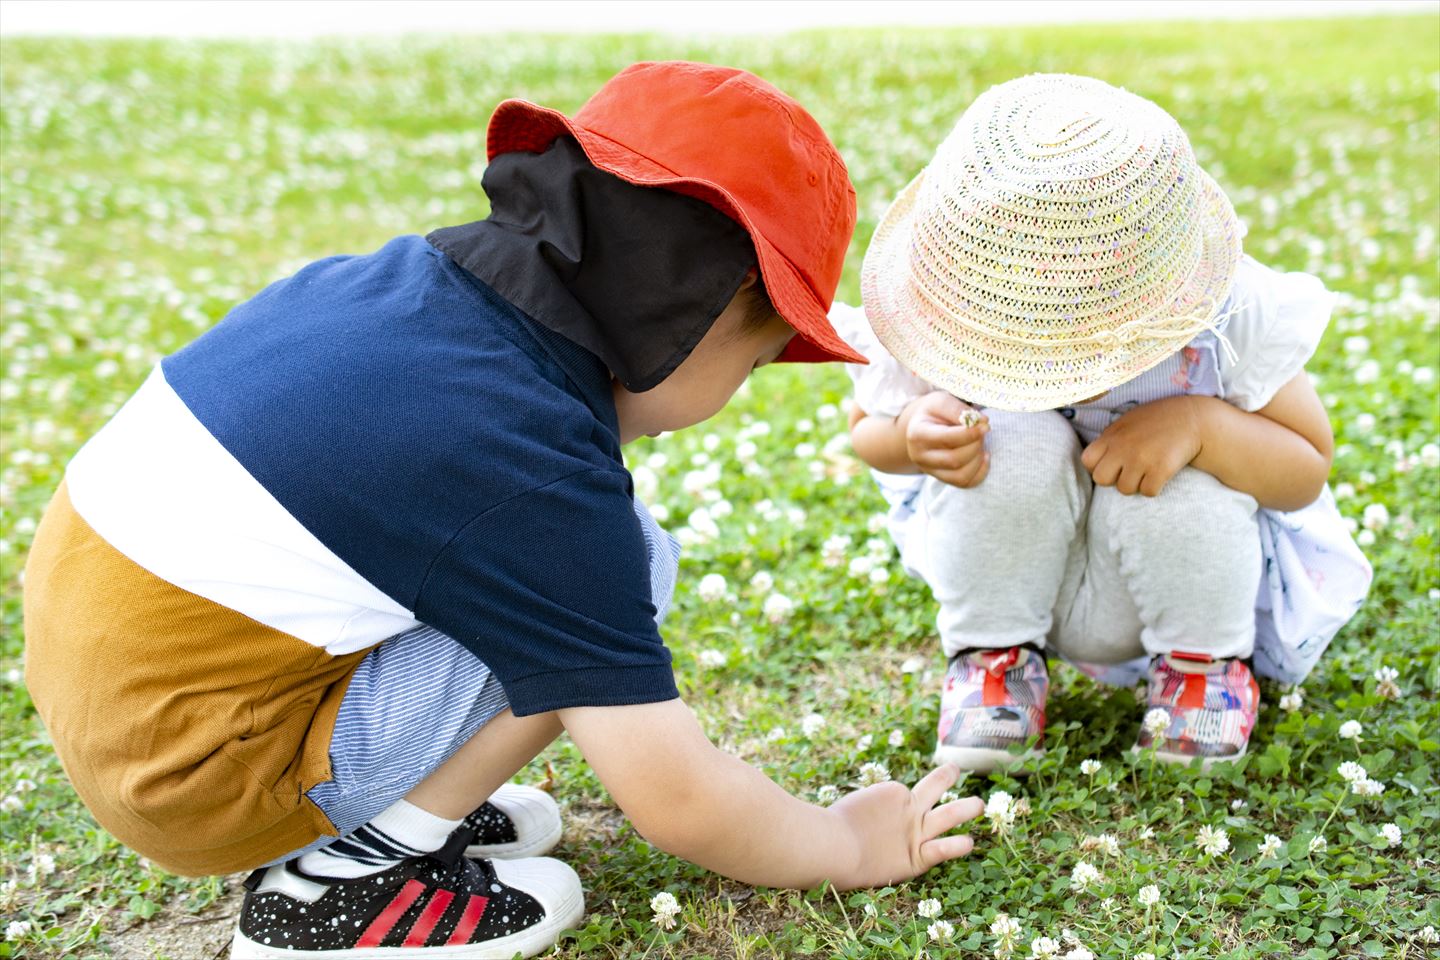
(1280, 454)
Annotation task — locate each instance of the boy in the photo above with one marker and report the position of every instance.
(346, 563)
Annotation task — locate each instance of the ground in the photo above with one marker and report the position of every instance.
(149, 186)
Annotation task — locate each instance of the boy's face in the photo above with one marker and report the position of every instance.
(707, 379)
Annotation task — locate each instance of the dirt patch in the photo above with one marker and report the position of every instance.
(174, 934)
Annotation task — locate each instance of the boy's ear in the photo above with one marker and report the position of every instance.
(750, 277)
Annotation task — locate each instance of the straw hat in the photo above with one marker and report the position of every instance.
(1062, 241)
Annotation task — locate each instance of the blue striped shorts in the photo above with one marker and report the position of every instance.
(423, 680)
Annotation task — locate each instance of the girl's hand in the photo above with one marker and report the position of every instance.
(900, 833)
(945, 438)
(1141, 451)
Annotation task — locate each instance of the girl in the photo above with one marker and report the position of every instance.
(1150, 449)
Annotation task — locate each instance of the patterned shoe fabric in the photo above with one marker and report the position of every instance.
(517, 821)
(993, 700)
(421, 907)
(1211, 712)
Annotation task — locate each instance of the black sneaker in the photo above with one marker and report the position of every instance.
(420, 908)
(517, 821)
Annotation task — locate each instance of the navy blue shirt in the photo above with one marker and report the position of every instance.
(458, 456)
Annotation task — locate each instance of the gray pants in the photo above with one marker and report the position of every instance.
(1038, 554)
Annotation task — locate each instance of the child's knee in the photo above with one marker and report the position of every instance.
(1193, 510)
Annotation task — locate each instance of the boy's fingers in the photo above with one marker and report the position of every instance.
(934, 784)
(948, 816)
(937, 851)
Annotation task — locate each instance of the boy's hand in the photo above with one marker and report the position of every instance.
(1148, 445)
(945, 438)
(900, 833)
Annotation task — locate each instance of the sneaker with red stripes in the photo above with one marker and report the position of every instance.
(423, 907)
(992, 702)
(1212, 706)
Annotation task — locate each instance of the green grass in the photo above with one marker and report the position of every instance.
(148, 186)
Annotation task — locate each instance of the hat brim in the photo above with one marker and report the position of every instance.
(518, 125)
(963, 361)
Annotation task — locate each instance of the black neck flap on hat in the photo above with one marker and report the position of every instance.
(635, 275)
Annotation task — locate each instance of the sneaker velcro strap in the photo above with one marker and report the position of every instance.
(1192, 691)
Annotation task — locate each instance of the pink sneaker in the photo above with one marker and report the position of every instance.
(993, 700)
(1212, 706)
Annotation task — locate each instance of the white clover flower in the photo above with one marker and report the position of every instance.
(666, 908)
(827, 411)
(828, 794)
(1238, 804)
(763, 582)
(1367, 372)
(1363, 423)
(1000, 811)
(1156, 721)
(646, 482)
(1427, 934)
(879, 576)
(873, 773)
(778, 607)
(712, 587)
(811, 724)
(896, 738)
(1392, 834)
(1423, 375)
(912, 665)
(1376, 516)
(1143, 955)
(929, 909)
(776, 733)
(1291, 701)
(746, 450)
(24, 785)
(1089, 767)
(1318, 845)
(1270, 847)
(711, 658)
(660, 513)
(863, 743)
(1105, 843)
(1006, 930)
(834, 549)
(1212, 840)
(1146, 833)
(1344, 491)
(1350, 730)
(870, 911)
(1079, 953)
(877, 522)
(17, 929)
(860, 567)
(721, 509)
(1148, 896)
(1044, 948)
(1365, 538)
(1083, 876)
(940, 931)
(795, 515)
(1430, 455)
(1351, 771)
(1367, 788)
(949, 796)
(11, 803)
(702, 524)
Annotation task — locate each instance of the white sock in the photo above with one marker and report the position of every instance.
(399, 831)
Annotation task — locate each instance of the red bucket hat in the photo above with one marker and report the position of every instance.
(728, 138)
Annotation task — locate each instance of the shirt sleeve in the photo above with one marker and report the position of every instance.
(551, 590)
(1278, 323)
(883, 387)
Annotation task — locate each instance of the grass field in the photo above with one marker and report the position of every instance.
(148, 186)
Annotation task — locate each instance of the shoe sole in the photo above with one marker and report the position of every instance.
(526, 943)
(1185, 759)
(534, 847)
(985, 759)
